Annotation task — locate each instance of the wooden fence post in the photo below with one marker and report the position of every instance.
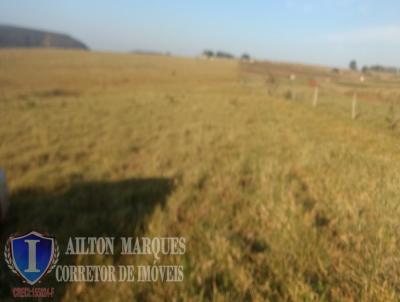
(354, 106)
(293, 92)
(315, 99)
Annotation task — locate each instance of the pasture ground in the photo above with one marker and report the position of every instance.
(278, 200)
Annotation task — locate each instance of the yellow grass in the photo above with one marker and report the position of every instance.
(278, 201)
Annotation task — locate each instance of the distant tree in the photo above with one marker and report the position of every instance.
(353, 65)
(245, 57)
(208, 53)
(222, 54)
(380, 68)
(387, 69)
(364, 69)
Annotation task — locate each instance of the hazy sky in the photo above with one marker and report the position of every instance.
(313, 31)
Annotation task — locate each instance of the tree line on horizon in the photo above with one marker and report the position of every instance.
(375, 68)
(222, 54)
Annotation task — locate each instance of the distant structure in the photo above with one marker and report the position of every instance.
(15, 37)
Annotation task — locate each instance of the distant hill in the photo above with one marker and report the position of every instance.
(11, 36)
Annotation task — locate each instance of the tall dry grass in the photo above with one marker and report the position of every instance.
(278, 201)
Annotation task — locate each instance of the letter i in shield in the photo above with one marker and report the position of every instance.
(32, 255)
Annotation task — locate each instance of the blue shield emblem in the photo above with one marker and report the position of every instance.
(32, 255)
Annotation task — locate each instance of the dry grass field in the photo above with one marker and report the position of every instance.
(278, 200)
